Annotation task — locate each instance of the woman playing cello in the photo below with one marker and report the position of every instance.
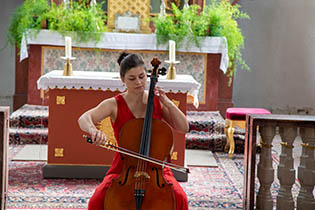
(127, 106)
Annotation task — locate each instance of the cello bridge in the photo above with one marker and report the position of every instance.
(141, 173)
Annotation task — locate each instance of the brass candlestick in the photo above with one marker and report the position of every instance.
(67, 70)
(171, 73)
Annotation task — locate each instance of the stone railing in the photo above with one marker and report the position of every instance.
(287, 129)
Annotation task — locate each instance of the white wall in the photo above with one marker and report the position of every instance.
(7, 58)
(280, 50)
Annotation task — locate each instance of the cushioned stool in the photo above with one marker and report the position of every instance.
(237, 117)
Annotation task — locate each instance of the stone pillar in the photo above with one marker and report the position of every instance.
(286, 171)
(306, 170)
(265, 171)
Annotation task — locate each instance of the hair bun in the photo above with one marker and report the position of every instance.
(121, 57)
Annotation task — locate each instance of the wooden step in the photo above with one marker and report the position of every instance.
(30, 116)
(28, 135)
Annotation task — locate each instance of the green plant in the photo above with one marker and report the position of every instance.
(82, 22)
(25, 17)
(223, 18)
(216, 19)
(183, 24)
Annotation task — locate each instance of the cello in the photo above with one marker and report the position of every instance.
(141, 184)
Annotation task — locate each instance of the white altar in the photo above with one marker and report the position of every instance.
(111, 81)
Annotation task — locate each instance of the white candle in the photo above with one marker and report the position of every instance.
(68, 46)
(171, 51)
(93, 3)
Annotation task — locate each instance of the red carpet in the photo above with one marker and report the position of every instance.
(213, 188)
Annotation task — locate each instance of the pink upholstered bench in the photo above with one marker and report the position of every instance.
(237, 117)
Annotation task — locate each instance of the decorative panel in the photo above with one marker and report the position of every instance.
(141, 7)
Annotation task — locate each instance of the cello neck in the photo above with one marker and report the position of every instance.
(147, 125)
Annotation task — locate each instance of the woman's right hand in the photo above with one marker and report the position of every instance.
(97, 136)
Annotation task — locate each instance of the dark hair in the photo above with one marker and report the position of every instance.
(128, 61)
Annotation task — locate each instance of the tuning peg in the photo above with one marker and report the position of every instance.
(162, 71)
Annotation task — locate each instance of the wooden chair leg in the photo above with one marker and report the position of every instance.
(226, 127)
(230, 136)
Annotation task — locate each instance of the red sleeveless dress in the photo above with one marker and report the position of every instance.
(123, 115)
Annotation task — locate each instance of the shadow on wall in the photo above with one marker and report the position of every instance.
(7, 101)
(293, 110)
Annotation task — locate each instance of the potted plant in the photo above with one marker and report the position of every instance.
(25, 17)
(216, 19)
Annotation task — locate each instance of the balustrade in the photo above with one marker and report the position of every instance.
(289, 127)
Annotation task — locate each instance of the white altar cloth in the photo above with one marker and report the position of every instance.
(111, 81)
(128, 41)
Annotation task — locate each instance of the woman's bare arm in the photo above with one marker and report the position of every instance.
(172, 114)
(87, 120)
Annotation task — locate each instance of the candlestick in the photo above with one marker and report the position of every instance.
(68, 46)
(67, 70)
(171, 73)
(172, 51)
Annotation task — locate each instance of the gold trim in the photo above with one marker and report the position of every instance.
(59, 152)
(106, 127)
(174, 156)
(307, 146)
(176, 102)
(264, 144)
(61, 100)
(285, 144)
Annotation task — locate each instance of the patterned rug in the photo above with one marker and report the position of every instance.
(207, 132)
(207, 188)
(29, 125)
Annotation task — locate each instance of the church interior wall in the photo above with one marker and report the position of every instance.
(7, 56)
(280, 49)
